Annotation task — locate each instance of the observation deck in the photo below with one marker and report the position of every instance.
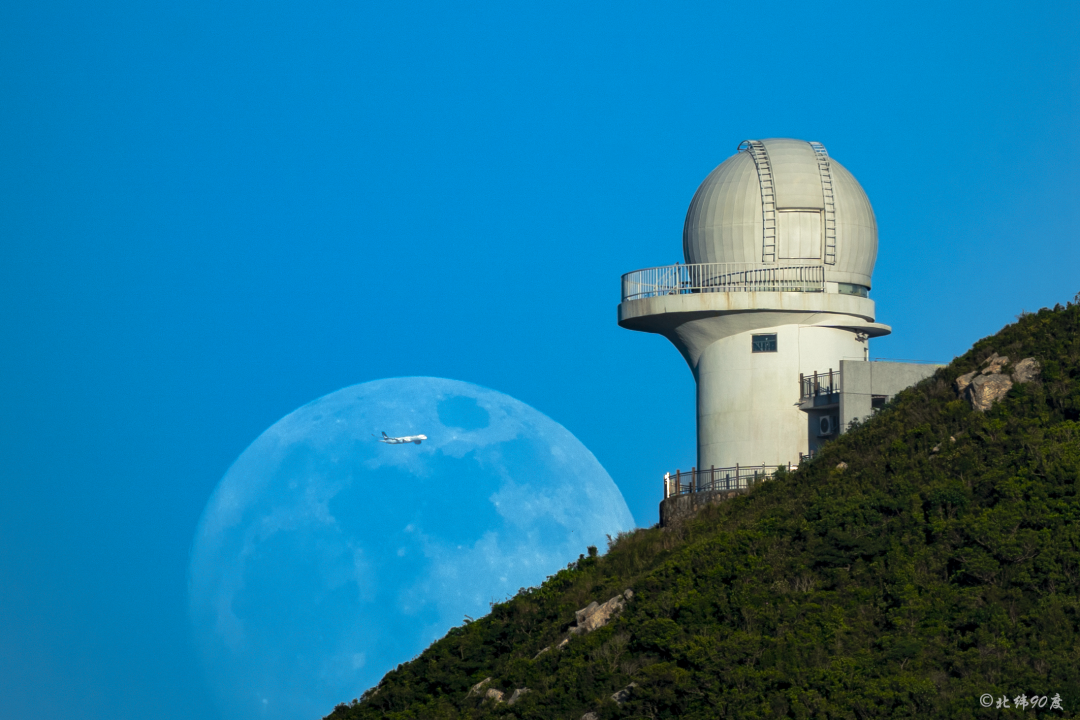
(683, 302)
(721, 277)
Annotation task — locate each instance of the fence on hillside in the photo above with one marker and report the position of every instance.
(739, 477)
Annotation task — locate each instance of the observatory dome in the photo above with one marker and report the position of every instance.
(783, 202)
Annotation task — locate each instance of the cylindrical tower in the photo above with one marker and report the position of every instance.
(780, 242)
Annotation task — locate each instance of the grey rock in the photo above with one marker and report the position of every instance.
(936, 448)
(493, 694)
(590, 716)
(628, 594)
(585, 611)
(963, 381)
(841, 466)
(561, 645)
(623, 695)
(517, 695)
(1026, 370)
(478, 687)
(986, 390)
(994, 363)
(541, 652)
(595, 616)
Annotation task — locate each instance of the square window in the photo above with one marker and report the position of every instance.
(764, 343)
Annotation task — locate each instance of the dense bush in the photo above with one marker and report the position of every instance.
(907, 584)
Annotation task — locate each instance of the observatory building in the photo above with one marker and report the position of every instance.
(771, 310)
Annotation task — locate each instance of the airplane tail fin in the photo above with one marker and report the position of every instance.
(384, 434)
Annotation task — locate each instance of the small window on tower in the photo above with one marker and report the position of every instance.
(877, 402)
(764, 343)
(850, 289)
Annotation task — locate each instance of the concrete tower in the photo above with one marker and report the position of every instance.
(780, 242)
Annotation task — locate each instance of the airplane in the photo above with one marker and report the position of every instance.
(400, 440)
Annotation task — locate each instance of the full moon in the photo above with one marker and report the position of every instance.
(324, 558)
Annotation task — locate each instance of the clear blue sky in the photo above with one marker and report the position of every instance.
(212, 213)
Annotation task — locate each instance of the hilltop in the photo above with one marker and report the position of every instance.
(923, 559)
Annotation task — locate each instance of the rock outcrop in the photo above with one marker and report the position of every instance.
(489, 693)
(594, 616)
(994, 363)
(1026, 370)
(964, 381)
(478, 688)
(517, 695)
(623, 695)
(983, 388)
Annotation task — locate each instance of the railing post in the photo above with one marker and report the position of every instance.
(693, 479)
(678, 481)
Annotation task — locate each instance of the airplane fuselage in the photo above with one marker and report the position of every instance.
(417, 439)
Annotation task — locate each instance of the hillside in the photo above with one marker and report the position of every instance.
(907, 584)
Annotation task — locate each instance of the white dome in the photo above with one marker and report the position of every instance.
(817, 212)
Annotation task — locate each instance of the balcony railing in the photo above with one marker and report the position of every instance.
(721, 277)
(817, 384)
(739, 477)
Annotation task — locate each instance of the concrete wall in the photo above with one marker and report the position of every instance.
(678, 508)
(748, 403)
(861, 381)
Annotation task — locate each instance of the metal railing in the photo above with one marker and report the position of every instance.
(721, 277)
(739, 477)
(825, 383)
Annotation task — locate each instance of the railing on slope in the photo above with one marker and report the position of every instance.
(721, 277)
(739, 477)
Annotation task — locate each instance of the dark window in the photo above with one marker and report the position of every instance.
(877, 402)
(765, 343)
(850, 289)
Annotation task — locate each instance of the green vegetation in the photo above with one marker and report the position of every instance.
(907, 584)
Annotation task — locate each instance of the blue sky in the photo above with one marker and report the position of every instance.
(212, 213)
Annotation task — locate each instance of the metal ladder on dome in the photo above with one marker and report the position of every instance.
(830, 201)
(768, 197)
